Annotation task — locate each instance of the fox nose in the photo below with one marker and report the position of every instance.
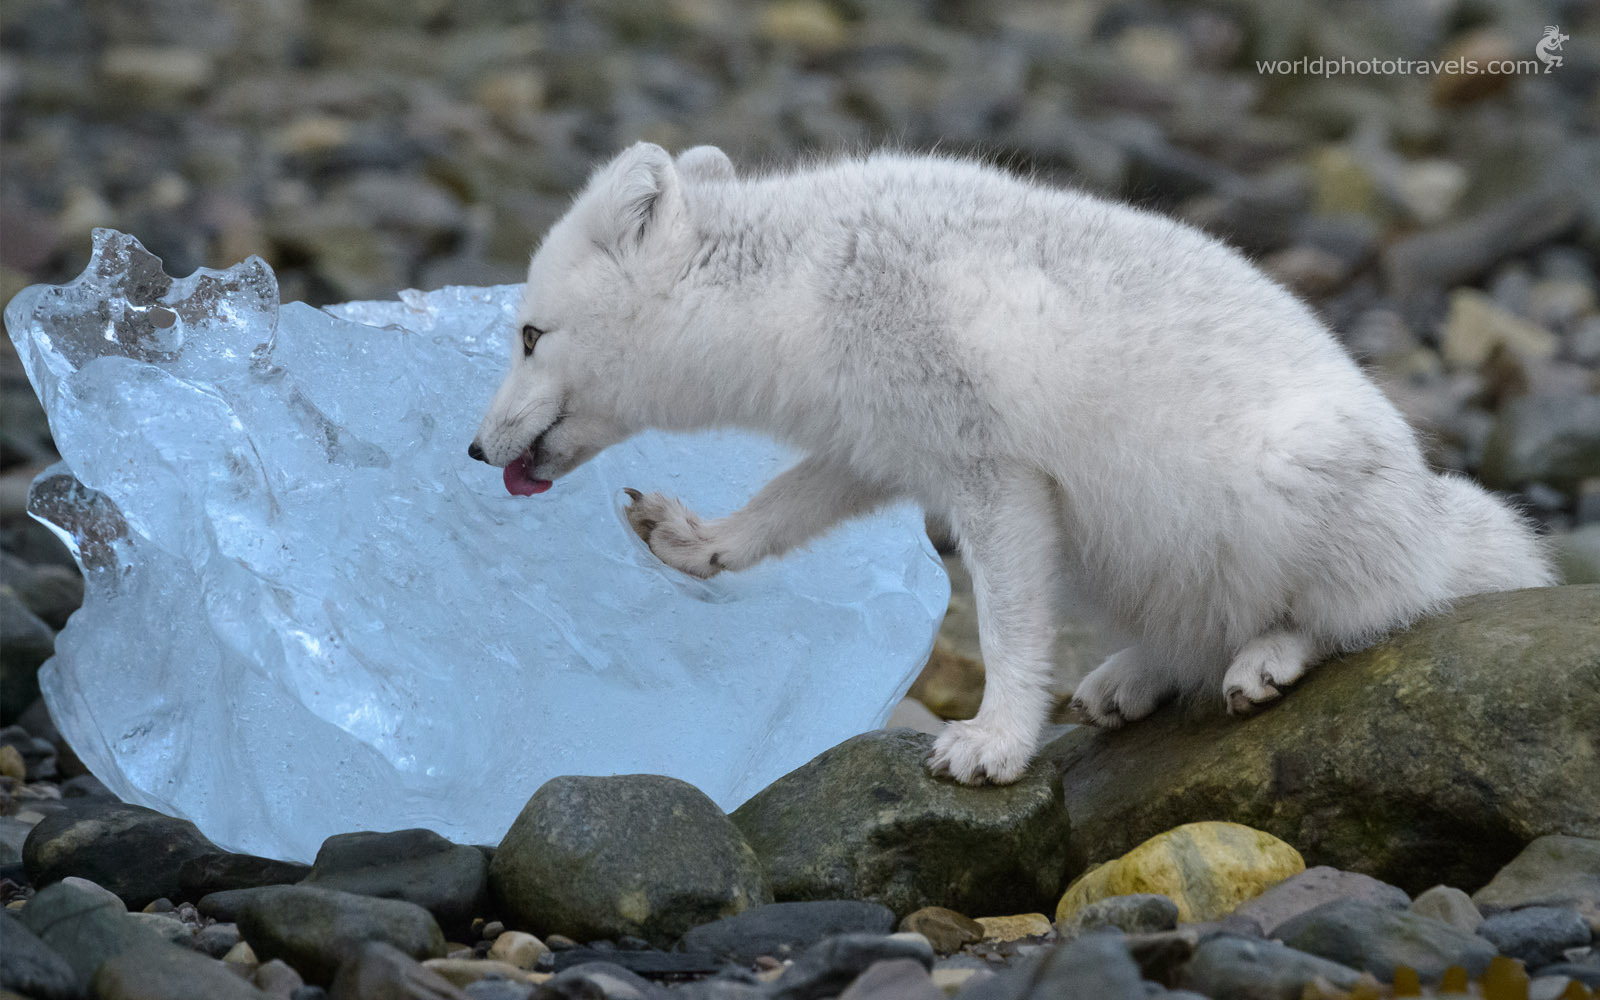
(475, 450)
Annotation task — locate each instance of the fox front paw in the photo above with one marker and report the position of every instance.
(978, 754)
(674, 533)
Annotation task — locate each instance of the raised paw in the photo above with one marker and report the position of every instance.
(975, 754)
(674, 533)
(1116, 692)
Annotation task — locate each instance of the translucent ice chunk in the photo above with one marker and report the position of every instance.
(309, 612)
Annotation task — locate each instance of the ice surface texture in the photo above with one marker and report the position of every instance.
(310, 612)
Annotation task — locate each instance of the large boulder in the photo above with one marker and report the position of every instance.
(865, 820)
(1430, 758)
(633, 854)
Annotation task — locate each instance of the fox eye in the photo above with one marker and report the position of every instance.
(530, 336)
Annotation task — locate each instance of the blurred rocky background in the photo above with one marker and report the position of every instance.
(1447, 224)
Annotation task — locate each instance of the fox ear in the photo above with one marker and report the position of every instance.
(635, 193)
(705, 163)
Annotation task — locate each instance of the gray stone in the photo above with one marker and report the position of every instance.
(1449, 904)
(221, 871)
(1537, 935)
(167, 926)
(51, 592)
(831, 965)
(1545, 439)
(378, 971)
(1095, 966)
(169, 973)
(1240, 968)
(25, 642)
(1450, 255)
(85, 928)
(783, 930)
(894, 979)
(1376, 759)
(1378, 940)
(498, 989)
(1550, 871)
(31, 967)
(598, 981)
(865, 820)
(133, 851)
(419, 866)
(314, 929)
(1136, 913)
(216, 940)
(13, 834)
(643, 855)
(1313, 887)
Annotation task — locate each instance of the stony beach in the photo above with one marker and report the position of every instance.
(1419, 819)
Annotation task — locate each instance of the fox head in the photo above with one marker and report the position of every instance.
(591, 300)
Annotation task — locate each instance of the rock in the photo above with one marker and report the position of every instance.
(216, 940)
(1313, 887)
(419, 866)
(1014, 928)
(222, 871)
(1376, 759)
(314, 929)
(375, 970)
(1553, 440)
(499, 989)
(1378, 940)
(895, 979)
(1207, 869)
(518, 949)
(1474, 66)
(463, 972)
(169, 973)
(1452, 254)
(598, 981)
(644, 855)
(1476, 326)
(1536, 935)
(1134, 913)
(13, 834)
(84, 928)
(25, 642)
(31, 967)
(1160, 955)
(829, 966)
(1550, 871)
(643, 961)
(865, 820)
(133, 851)
(52, 593)
(1092, 967)
(947, 930)
(1451, 905)
(167, 926)
(277, 979)
(1240, 968)
(11, 763)
(783, 930)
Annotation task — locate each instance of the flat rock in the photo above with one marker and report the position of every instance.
(598, 981)
(1242, 968)
(135, 852)
(1313, 887)
(648, 962)
(640, 854)
(1378, 762)
(1132, 913)
(378, 971)
(894, 979)
(315, 929)
(829, 966)
(1550, 871)
(169, 973)
(865, 820)
(1379, 940)
(31, 967)
(1536, 935)
(449, 880)
(223, 870)
(945, 929)
(784, 930)
(1449, 904)
(1207, 869)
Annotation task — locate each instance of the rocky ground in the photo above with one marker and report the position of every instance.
(1447, 225)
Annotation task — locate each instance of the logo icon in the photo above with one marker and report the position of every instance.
(1549, 46)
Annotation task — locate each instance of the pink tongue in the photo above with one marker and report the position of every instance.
(519, 483)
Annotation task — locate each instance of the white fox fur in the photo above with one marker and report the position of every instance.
(1075, 386)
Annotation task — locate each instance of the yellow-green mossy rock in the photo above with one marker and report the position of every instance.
(1208, 869)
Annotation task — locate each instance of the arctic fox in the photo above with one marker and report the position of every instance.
(1075, 386)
